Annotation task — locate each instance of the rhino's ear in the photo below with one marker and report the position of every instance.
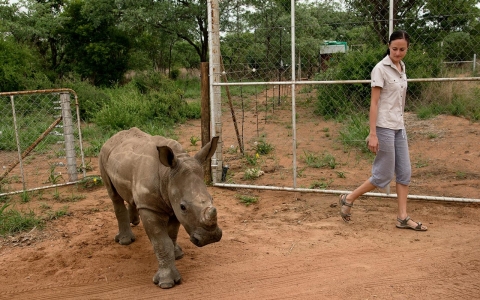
(166, 156)
(208, 150)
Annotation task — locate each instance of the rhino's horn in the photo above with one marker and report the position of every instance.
(210, 216)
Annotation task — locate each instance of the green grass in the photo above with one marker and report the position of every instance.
(320, 184)
(315, 160)
(456, 99)
(252, 159)
(247, 200)
(13, 221)
(263, 148)
(354, 131)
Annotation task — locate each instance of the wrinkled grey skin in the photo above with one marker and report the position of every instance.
(164, 187)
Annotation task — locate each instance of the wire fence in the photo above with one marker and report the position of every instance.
(301, 108)
(40, 140)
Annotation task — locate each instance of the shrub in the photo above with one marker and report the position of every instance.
(129, 106)
(90, 98)
(336, 101)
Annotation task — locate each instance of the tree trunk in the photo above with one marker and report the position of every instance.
(205, 119)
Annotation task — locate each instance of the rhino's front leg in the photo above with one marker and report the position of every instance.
(173, 226)
(156, 226)
(133, 214)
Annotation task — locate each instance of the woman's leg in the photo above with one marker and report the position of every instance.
(346, 206)
(402, 192)
(382, 171)
(403, 173)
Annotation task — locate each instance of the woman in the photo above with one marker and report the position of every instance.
(387, 137)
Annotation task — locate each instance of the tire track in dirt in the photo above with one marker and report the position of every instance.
(312, 275)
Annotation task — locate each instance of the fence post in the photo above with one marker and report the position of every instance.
(205, 117)
(474, 62)
(215, 91)
(69, 138)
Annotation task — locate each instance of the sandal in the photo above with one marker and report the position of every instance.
(343, 202)
(403, 224)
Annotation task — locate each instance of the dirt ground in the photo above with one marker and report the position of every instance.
(287, 245)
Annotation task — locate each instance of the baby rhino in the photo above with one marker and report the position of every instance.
(164, 187)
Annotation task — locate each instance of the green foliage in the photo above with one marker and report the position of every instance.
(13, 221)
(194, 140)
(20, 68)
(354, 132)
(450, 99)
(90, 97)
(95, 47)
(146, 104)
(252, 159)
(247, 200)
(337, 101)
(41, 111)
(459, 46)
(320, 184)
(263, 148)
(316, 160)
(53, 176)
(174, 74)
(55, 215)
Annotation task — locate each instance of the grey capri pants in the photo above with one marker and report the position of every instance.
(392, 158)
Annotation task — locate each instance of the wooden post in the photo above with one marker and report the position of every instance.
(205, 118)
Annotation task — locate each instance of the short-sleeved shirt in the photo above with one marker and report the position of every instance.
(391, 104)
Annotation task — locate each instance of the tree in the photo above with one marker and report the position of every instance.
(376, 13)
(36, 23)
(94, 47)
(426, 21)
(183, 19)
(20, 69)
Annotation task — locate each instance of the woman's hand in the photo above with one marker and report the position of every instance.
(372, 143)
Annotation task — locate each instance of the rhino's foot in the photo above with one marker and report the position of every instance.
(125, 239)
(167, 278)
(135, 220)
(178, 252)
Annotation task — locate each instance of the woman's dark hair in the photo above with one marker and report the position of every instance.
(398, 35)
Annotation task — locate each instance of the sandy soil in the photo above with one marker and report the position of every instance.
(287, 245)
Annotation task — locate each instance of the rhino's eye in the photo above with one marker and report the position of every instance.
(182, 207)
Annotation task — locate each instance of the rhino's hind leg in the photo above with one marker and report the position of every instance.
(125, 235)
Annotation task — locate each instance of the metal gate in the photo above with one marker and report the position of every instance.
(40, 140)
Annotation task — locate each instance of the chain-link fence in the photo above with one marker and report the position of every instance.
(321, 126)
(40, 140)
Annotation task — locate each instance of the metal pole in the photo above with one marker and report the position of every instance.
(80, 139)
(294, 125)
(390, 19)
(17, 138)
(305, 190)
(310, 82)
(215, 90)
(474, 61)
